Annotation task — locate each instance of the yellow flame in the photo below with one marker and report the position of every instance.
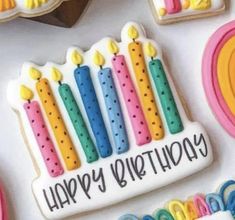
(77, 58)
(98, 59)
(113, 47)
(56, 74)
(35, 73)
(150, 50)
(26, 93)
(132, 32)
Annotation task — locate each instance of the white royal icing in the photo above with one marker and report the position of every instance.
(226, 215)
(21, 9)
(216, 6)
(112, 192)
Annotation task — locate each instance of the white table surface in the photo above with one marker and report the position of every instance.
(183, 44)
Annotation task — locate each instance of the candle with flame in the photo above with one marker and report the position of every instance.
(165, 94)
(53, 114)
(136, 115)
(41, 133)
(7, 5)
(112, 105)
(75, 117)
(145, 90)
(90, 102)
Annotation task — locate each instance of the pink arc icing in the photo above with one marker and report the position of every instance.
(210, 78)
(173, 6)
(42, 136)
(3, 205)
(132, 102)
(201, 206)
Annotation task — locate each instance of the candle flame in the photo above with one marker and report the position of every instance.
(133, 33)
(150, 50)
(56, 74)
(26, 93)
(98, 59)
(113, 47)
(77, 58)
(35, 73)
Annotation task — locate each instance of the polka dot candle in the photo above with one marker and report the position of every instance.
(76, 117)
(89, 98)
(113, 107)
(62, 137)
(130, 96)
(41, 133)
(146, 94)
(166, 97)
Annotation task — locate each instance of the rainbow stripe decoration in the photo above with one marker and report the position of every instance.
(213, 206)
(218, 75)
(103, 123)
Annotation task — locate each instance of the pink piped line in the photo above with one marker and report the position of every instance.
(201, 205)
(3, 205)
(209, 75)
(173, 6)
(136, 115)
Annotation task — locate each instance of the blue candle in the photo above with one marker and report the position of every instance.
(90, 102)
(114, 110)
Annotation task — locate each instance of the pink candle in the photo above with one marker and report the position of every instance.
(41, 133)
(173, 6)
(132, 102)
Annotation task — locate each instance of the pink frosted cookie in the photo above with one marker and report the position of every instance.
(169, 11)
(3, 205)
(218, 75)
(104, 123)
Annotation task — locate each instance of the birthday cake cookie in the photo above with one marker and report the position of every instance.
(169, 11)
(218, 75)
(10, 9)
(213, 206)
(106, 125)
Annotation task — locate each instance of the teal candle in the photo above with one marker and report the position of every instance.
(78, 123)
(166, 97)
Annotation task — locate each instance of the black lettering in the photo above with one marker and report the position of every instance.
(172, 152)
(61, 195)
(149, 153)
(118, 171)
(53, 204)
(202, 140)
(85, 182)
(138, 166)
(100, 176)
(188, 146)
(71, 188)
(167, 165)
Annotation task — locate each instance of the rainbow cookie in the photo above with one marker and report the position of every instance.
(213, 206)
(169, 11)
(10, 9)
(103, 123)
(218, 80)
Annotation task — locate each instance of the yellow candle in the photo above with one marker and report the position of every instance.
(145, 90)
(62, 137)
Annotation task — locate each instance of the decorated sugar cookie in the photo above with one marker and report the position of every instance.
(10, 9)
(169, 11)
(218, 75)
(104, 123)
(213, 206)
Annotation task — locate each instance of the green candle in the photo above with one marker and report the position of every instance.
(166, 97)
(76, 118)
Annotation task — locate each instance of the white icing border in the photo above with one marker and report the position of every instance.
(115, 193)
(21, 10)
(226, 215)
(216, 5)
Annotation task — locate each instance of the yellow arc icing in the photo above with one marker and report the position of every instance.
(177, 210)
(56, 74)
(98, 59)
(186, 4)
(31, 4)
(76, 58)
(26, 93)
(7, 5)
(150, 50)
(112, 47)
(132, 32)
(162, 11)
(200, 4)
(225, 67)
